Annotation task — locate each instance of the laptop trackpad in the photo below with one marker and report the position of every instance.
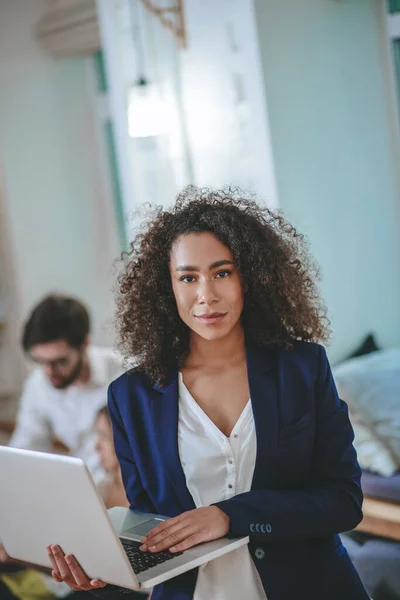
(144, 528)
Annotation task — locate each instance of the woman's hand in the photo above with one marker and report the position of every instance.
(66, 568)
(187, 530)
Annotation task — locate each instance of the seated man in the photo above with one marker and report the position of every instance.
(64, 392)
(42, 587)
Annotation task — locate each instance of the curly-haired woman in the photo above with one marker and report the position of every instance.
(230, 421)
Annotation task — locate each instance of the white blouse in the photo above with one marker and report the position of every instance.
(217, 468)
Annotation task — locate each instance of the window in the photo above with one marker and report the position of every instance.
(393, 28)
(393, 6)
(109, 142)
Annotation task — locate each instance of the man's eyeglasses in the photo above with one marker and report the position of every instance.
(57, 363)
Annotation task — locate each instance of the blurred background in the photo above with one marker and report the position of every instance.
(106, 105)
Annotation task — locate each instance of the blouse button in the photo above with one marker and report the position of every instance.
(230, 486)
(230, 461)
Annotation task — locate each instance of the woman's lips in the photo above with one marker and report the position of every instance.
(211, 319)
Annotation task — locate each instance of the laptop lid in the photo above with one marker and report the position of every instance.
(51, 499)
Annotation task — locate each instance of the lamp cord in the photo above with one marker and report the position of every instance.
(138, 41)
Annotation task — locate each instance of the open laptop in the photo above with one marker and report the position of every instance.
(51, 499)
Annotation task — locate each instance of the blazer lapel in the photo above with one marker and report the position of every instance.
(263, 382)
(166, 417)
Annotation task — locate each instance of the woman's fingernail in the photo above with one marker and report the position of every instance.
(152, 548)
(143, 547)
(68, 558)
(172, 549)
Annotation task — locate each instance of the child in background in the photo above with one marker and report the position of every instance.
(23, 583)
(112, 488)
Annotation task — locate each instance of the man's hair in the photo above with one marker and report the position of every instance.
(56, 317)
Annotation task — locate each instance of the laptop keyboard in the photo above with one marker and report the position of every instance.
(141, 561)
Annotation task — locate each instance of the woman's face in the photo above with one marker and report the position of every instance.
(207, 286)
(105, 444)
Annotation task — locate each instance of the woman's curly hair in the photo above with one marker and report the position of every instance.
(281, 304)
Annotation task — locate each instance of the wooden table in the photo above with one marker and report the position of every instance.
(380, 518)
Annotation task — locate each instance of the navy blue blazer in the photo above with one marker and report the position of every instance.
(306, 483)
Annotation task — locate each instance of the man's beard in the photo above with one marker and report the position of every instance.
(73, 376)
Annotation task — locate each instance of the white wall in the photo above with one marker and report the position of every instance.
(224, 98)
(11, 368)
(60, 219)
(222, 136)
(328, 90)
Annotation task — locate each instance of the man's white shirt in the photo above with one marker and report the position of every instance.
(69, 414)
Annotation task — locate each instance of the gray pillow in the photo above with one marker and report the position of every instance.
(371, 386)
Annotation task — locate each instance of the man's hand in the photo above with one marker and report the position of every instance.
(187, 530)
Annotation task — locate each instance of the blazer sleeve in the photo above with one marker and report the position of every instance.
(136, 494)
(332, 501)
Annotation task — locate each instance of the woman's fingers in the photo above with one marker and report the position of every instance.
(168, 537)
(67, 569)
(63, 569)
(189, 542)
(169, 528)
(188, 529)
(53, 562)
(168, 524)
(96, 583)
(79, 575)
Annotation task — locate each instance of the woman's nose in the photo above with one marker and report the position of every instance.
(207, 292)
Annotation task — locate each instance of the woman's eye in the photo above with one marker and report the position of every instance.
(223, 274)
(187, 278)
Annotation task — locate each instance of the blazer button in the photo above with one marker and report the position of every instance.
(268, 528)
(259, 553)
(252, 527)
(258, 527)
(263, 528)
